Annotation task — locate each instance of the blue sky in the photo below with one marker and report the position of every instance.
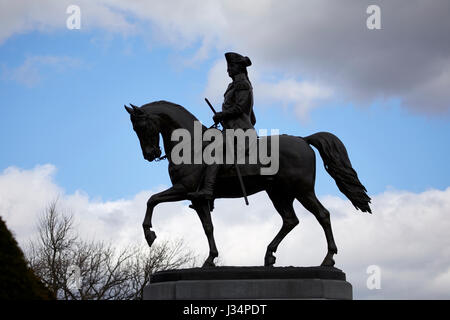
(316, 67)
(72, 116)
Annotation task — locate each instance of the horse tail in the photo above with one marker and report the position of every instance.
(339, 167)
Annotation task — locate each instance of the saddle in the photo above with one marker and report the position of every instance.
(228, 170)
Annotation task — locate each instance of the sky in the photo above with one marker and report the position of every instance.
(315, 67)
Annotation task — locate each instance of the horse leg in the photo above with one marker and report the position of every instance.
(284, 206)
(312, 204)
(175, 193)
(204, 213)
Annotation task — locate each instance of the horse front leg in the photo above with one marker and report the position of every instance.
(175, 193)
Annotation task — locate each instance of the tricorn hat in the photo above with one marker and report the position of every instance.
(233, 57)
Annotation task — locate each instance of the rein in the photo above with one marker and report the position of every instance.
(160, 158)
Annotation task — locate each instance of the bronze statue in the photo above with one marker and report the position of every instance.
(294, 179)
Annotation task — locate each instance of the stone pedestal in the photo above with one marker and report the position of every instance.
(249, 283)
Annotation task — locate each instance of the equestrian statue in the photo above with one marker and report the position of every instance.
(201, 183)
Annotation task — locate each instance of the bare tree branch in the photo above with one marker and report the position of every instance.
(105, 272)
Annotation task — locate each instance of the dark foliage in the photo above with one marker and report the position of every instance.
(17, 280)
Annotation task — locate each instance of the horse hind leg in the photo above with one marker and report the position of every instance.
(285, 208)
(204, 213)
(312, 204)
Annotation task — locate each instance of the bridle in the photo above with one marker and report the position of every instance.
(146, 117)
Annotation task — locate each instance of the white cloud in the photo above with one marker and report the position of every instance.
(303, 95)
(25, 193)
(48, 15)
(407, 236)
(315, 40)
(217, 82)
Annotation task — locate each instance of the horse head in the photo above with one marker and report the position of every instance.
(146, 127)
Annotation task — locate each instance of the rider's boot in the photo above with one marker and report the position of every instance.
(207, 191)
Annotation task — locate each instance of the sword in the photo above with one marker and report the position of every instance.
(238, 172)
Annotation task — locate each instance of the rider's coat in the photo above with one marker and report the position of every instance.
(238, 104)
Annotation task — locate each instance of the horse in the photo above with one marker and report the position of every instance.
(295, 178)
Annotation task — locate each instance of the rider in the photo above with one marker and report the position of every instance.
(237, 112)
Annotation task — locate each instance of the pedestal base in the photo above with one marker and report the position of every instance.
(249, 283)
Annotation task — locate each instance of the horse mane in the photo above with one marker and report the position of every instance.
(163, 108)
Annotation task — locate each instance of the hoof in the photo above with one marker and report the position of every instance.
(208, 264)
(269, 261)
(150, 236)
(328, 261)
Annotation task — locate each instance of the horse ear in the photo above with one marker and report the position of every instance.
(130, 111)
(137, 110)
